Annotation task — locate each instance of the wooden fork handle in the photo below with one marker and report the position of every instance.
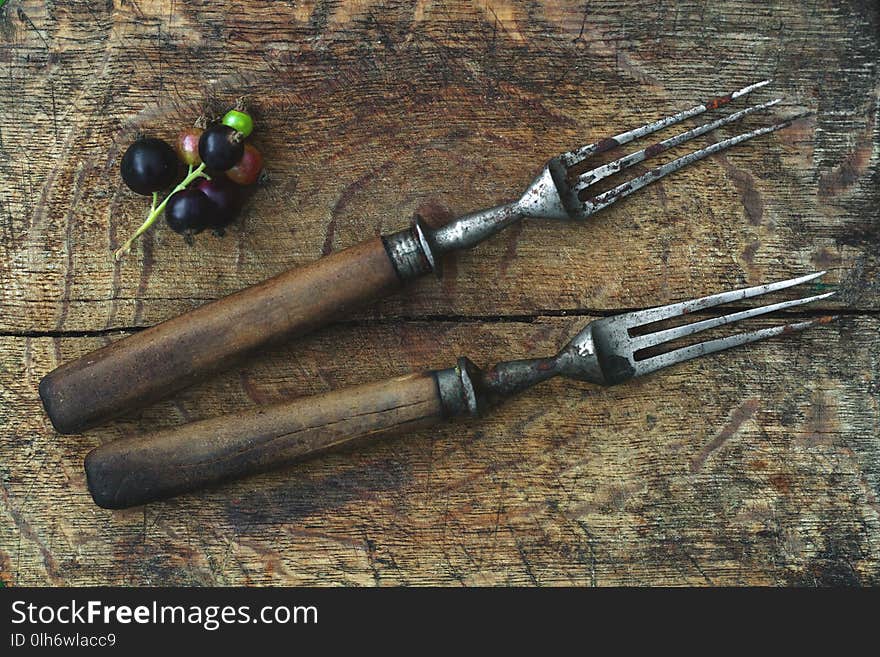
(151, 364)
(137, 470)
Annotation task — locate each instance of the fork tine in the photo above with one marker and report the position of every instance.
(659, 337)
(594, 175)
(695, 351)
(573, 157)
(650, 315)
(605, 199)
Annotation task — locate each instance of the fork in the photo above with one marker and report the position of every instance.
(140, 469)
(151, 364)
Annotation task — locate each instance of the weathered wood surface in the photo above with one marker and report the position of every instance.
(760, 466)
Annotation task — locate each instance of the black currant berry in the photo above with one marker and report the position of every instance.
(188, 211)
(220, 147)
(226, 199)
(149, 165)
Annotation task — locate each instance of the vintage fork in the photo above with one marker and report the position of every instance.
(157, 362)
(607, 351)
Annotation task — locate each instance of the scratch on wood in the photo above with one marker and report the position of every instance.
(75, 197)
(26, 531)
(327, 246)
(524, 558)
(117, 265)
(513, 235)
(590, 540)
(853, 166)
(370, 549)
(737, 418)
(748, 191)
(252, 391)
(146, 269)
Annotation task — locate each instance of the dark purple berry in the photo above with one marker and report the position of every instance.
(220, 147)
(226, 199)
(149, 165)
(188, 211)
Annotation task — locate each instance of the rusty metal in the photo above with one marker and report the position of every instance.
(562, 189)
(606, 352)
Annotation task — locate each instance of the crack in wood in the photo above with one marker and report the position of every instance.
(463, 319)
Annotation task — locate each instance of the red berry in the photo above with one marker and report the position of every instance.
(248, 168)
(187, 146)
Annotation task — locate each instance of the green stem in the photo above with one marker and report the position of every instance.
(156, 210)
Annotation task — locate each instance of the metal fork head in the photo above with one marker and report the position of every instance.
(562, 189)
(607, 351)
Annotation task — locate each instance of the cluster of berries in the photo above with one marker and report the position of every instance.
(221, 166)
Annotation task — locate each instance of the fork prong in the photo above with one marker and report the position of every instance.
(594, 175)
(650, 315)
(659, 337)
(605, 199)
(655, 363)
(573, 157)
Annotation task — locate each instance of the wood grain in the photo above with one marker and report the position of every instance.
(760, 466)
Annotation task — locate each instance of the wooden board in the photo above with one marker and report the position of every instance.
(760, 466)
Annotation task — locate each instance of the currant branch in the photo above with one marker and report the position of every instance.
(156, 210)
(151, 164)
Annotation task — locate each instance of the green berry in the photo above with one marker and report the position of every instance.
(239, 121)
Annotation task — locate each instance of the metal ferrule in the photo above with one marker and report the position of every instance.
(457, 393)
(467, 390)
(410, 253)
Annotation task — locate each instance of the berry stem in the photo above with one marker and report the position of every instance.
(156, 210)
